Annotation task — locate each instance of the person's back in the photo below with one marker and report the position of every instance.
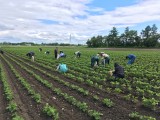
(105, 55)
(47, 52)
(119, 71)
(78, 54)
(131, 58)
(105, 59)
(94, 59)
(63, 68)
(61, 54)
(30, 54)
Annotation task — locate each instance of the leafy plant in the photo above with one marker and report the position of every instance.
(117, 90)
(17, 117)
(12, 107)
(51, 111)
(37, 97)
(96, 97)
(137, 116)
(150, 103)
(96, 115)
(83, 106)
(108, 102)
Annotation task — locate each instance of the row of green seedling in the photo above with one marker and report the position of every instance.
(81, 105)
(12, 105)
(75, 87)
(49, 110)
(137, 116)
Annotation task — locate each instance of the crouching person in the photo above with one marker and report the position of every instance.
(40, 49)
(31, 56)
(78, 54)
(62, 68)
(61, 55)
(1, 51)
(118, 71)
(94, 61)
(105, 58)
(131, 58)
(47, 52)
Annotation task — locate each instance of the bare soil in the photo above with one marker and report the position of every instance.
(31, 110)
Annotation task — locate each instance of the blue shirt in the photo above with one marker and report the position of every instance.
(63, 68)
(131, 56)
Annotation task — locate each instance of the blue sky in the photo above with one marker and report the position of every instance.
(48, 22)
(110, 5)
(53, 21)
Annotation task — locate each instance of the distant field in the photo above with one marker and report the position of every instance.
(42, 93)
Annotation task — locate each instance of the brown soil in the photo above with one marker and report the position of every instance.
(69, 112)
(119, 111)
(4, 114)
(27, 108)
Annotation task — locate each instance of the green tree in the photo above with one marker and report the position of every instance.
(113, 39)
(129, 37)
(95, 41)
(146, 33)
(89, 44)
(154, 30)
(150, 36)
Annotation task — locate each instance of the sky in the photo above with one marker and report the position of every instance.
(73, 21)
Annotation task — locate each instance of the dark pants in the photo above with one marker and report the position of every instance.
(79, 55)
(93, 61)
(107, 60)
(55, 55)
(118, 76)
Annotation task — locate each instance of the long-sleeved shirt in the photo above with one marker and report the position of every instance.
(119, 70)
(131, 56)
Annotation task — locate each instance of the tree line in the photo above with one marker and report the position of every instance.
(149, 37)
(41, 44)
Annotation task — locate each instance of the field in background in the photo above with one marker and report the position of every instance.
(82, 93)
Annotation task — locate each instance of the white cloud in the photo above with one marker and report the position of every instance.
(20, 19)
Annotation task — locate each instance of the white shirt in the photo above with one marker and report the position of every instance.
(61, 54)
(76, 52)
(105, 55)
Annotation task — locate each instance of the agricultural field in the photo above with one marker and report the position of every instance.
(36, 91)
